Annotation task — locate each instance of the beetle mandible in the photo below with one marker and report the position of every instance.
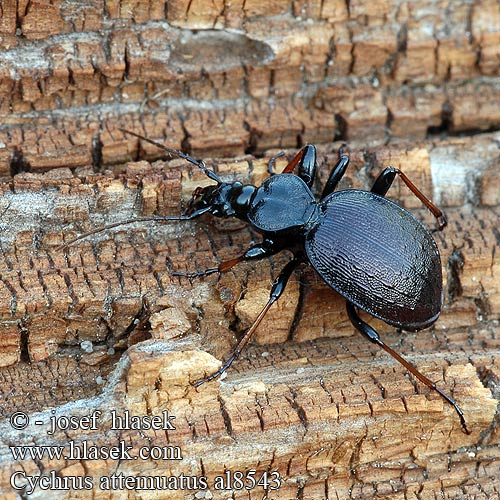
(370, 250)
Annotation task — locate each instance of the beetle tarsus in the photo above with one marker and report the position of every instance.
(198, 274)
(272, 161)
(255, 252)
(442, 222)
(459, 410)
(219, 372)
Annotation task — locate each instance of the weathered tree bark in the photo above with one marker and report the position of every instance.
(102, 325)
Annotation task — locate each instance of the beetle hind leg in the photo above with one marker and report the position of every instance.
(374, 337)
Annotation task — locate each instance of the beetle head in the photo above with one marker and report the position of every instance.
(219, 200)
(201, 199)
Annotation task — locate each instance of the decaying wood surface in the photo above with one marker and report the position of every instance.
(233, 77)
(317, 403)
(103, 325)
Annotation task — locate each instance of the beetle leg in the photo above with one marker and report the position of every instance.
(306, 160)
(336, 174)
(277, 289)
(384, 181)
(255, 252)
(272, 161)
(374, 337)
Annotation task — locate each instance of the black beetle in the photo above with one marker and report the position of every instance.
(370, 250)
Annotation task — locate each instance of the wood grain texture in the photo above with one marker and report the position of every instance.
(229, 77)
(334, 415)
(103, 325)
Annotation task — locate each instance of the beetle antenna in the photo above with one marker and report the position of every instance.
(199, 163)
(155, 218)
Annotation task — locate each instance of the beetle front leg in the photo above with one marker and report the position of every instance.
(255, 252)
(384, 181)
(373, 336)
(277, 289)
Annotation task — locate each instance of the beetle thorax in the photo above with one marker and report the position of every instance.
(283, 203)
